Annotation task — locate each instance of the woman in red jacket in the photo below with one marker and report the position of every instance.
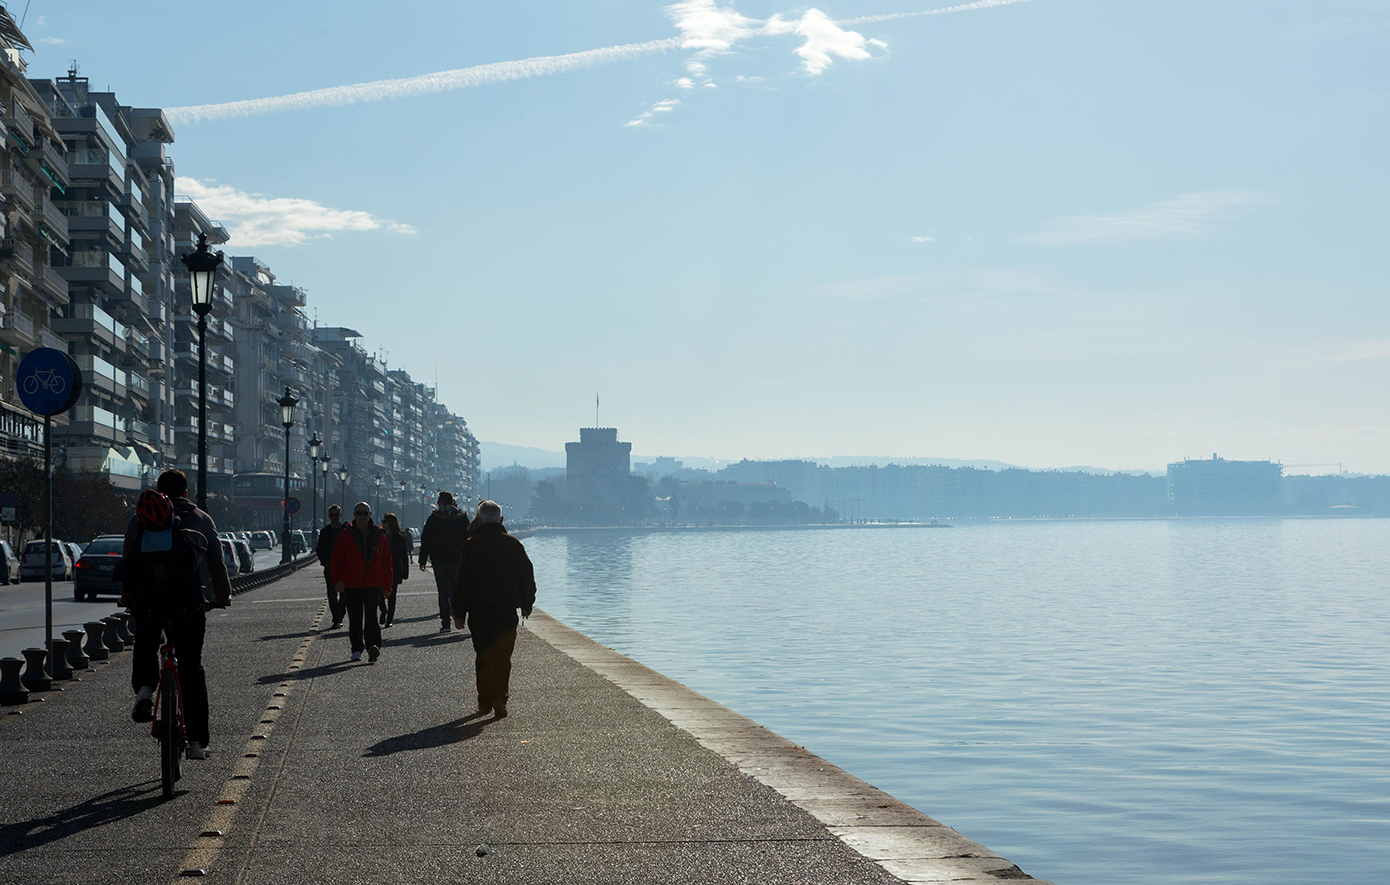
(361, 570)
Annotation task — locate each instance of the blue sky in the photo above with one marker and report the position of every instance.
(1051, 232)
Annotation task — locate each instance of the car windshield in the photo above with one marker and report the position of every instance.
(37, 547)
(104, 546)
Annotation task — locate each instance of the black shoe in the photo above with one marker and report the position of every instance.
(500, 711)
(372, 654)
(482, 711)
(335, 625)
(144, 710)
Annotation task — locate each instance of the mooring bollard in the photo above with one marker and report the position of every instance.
(33, 677)
(58, 652)
(12, 691)
(123, 629)
(111, 637)
(76, 659)
(96, 649)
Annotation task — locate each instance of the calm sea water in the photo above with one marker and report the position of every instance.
(1191, 701)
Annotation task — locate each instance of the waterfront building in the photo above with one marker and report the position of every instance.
(33, 170)
(363, 406)
(1225, 487)
(455, 460)
(597, 467)
(117, 301)
(189, 224)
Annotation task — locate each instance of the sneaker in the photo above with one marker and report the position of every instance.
(446, 628)
(197, 751)
(335, 625)
(373, 653)
(144, 705)
(500, 711)
(356, 656)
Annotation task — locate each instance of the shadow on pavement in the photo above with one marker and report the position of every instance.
(113, 806)
(459, 730)
(428, 640)
(310, 673)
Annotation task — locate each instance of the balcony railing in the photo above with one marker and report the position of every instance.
(18, 119)
(17, 324)
(54, 221)
(15, 185)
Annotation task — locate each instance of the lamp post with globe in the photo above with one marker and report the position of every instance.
(202, 267)
(287, 404)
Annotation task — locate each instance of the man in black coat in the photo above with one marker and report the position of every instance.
(328, 536)
(495, 578)
(441, 542)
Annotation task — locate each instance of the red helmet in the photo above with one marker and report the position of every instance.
(154, 509)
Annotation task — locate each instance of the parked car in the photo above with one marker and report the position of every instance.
(32, 560)
(93, 573)
(75, 551)
(261, 541)
(10, 574)
(230, 558)
(301, 543)
(245, 558)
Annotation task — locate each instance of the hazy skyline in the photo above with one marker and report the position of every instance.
(1047, 233)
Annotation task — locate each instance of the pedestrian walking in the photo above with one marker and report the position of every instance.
(328, 536)
(361, 568)
(441, 542)
(494, 579)
(159, 591)
(400, 566)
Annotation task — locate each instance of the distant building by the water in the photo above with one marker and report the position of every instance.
(1225, 487)
(598, 466)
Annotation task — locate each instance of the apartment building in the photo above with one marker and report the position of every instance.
(189, 224)
(33, 170)
(117, 303)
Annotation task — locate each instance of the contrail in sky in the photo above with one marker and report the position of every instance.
(478, 75)
(441, 81)
(964, 7)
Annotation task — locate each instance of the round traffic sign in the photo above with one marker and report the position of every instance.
(48, 380)
(292, 505)
(9, 499)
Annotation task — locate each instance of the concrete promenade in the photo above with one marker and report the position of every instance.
(334, 772)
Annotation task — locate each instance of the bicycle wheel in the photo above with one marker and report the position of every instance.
(170, 734)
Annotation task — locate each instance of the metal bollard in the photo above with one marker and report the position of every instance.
(58, 649)
(12, 691)
(96, 649)
(123, 628)
(33, 677)
(76, 659)
(111, 637)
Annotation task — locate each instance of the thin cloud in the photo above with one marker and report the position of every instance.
(1185, 215)
(924, 238)
(665, 106)
(823, 41)
(945, 10)
(257, 220)
(54, 41)
(424, 84)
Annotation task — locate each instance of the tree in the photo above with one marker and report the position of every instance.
(85, 504)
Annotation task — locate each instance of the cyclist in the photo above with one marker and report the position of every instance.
(177, 597)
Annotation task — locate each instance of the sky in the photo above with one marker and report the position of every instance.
(1046, 232)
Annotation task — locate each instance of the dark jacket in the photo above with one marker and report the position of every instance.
(495, 578)
(212, 573)
(441, 540)
(400, 557)
(357, 569)
(328, 536)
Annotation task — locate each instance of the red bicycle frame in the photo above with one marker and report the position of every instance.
(170, 663)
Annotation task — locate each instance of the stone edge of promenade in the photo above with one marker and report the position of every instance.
(902, 840)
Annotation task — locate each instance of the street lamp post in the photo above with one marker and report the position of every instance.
(202, 267)
(315, 446)
(324, 461)
(403, 487)
(287, 404)
(377, 480)
(423, 504)
(342, 474)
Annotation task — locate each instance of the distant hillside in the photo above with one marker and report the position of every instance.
(496, 455)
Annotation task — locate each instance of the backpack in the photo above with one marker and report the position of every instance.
(163, 567)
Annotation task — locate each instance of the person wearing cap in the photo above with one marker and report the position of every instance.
(361, 568)
(441, 542)
(328, 536)
(495, 578)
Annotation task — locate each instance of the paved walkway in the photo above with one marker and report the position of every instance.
(328, 771)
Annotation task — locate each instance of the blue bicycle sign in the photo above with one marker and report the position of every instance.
(49, 381)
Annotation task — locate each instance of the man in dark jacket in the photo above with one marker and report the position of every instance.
(328, 536)
(495, 578)
(441, 542)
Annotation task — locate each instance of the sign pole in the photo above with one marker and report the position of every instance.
(48, 545)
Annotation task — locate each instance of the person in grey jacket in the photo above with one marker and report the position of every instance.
(441, 542)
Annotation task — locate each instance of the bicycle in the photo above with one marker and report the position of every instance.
(48, 379)
(168, 726)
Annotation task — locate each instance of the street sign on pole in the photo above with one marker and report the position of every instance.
(49, 381)
(291, 505)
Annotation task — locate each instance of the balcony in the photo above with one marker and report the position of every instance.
(135, 210)
(20, 254)
(53, 162)
(100, 269)
(101, 375)
(143, 431)
(18, 121)
(137, 385)
(91, 322)
(17, 330)
(136, 259)
(99, 222)
(55, 223)
(18, 188)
